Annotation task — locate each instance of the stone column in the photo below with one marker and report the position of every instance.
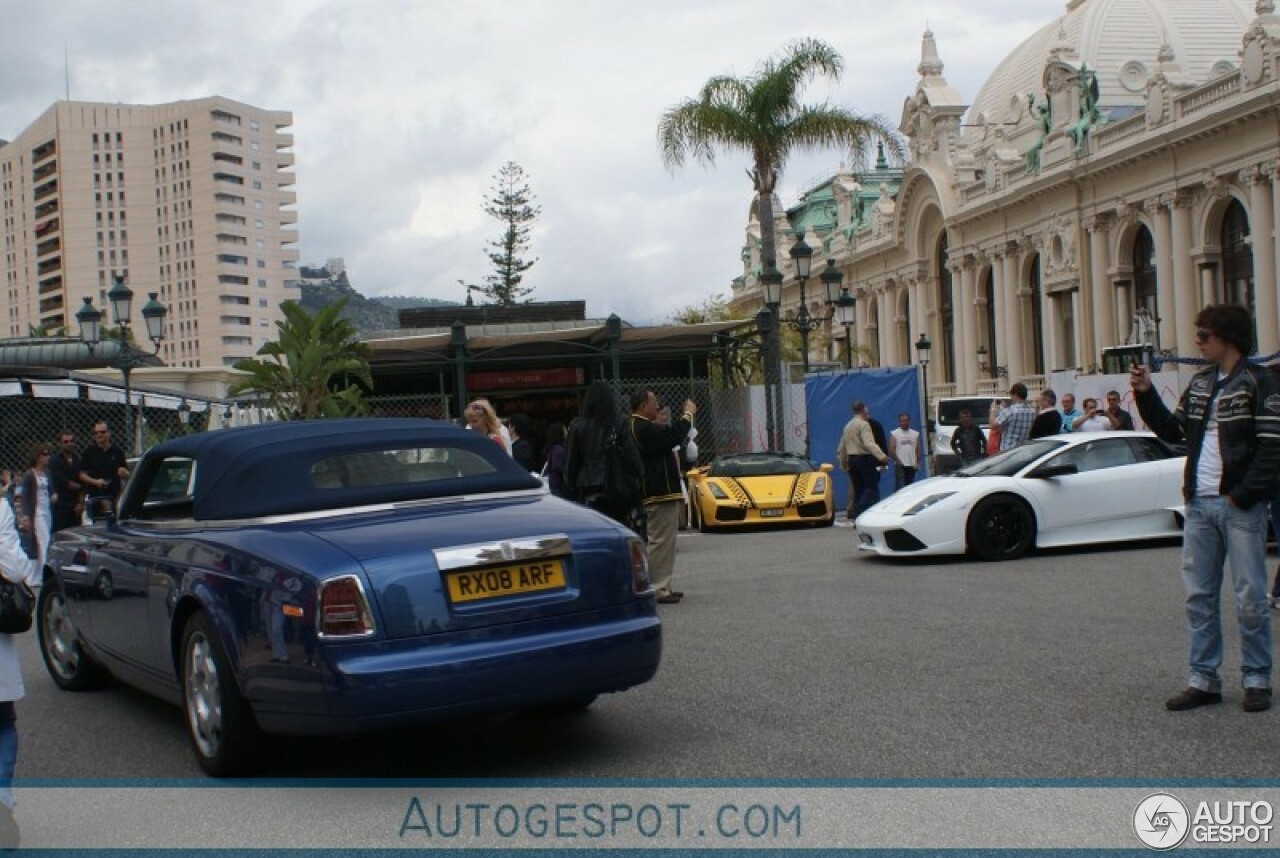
(1262, 228)
(1082, 341)
(1184, 274)
(967, 330)
(1166, 306)
(1015, 325)
(1103, 327)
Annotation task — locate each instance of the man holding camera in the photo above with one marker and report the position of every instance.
(1229, 419)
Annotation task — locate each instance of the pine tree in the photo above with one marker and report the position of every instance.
(510, 201)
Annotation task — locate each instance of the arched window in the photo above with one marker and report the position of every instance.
(1237, 258)
(1037, 319)
(946, 313)
(1144, 273)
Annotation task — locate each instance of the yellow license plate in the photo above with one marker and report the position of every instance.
(473, 584)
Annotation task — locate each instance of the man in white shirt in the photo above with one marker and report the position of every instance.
(1093, 419)
(904, 451)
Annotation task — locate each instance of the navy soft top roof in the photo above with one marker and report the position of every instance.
(253, 471)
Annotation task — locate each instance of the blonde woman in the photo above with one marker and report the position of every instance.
(481, 417)
(36, 499)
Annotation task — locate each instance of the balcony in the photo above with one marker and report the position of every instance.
(284, 141)
(49, 266)
(285, 160)
(224, 116)
(228, 178)
(227, 158)
(230, 259)
(237, 220)
(228, 238)
(48, 228)
(237, 321)
(52, 245)
(46, 190)
(233, 280)
(288, 198)
(52, 285)
(229, 199)
(47, 170)
(223, 137)
(288, 236)
(43, 151)
(51, 304)
(46, 209)
(288, 216)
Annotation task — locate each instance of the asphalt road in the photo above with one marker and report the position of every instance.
(792, 657)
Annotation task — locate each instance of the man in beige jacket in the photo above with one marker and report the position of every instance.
(859, 454)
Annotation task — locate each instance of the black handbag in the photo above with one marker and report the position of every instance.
(17, 603)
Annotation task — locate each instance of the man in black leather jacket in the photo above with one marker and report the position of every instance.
(1229, 418)
(662, 479)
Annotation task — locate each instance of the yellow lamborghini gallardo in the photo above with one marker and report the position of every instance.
(760, 488)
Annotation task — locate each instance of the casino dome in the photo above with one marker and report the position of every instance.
(1119, 40)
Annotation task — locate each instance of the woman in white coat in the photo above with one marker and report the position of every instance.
(17, 567)
(35, 498)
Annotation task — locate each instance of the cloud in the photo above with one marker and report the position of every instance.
(404, 109)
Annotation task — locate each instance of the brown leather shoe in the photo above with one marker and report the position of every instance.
(1191, 698)
(668, 599)
(1257, 699)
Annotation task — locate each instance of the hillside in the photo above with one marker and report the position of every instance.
(367, 314)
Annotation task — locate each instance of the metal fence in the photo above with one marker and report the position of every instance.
(29, 420)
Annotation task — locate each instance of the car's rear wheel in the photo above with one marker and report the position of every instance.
(70, 666)
(220, 726)
(1001, 527)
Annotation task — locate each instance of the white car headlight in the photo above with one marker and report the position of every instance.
(922, 505)
(717, 492)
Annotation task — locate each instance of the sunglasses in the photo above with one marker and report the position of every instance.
(1202, 335)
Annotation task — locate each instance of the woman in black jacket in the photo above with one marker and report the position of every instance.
(586, 466)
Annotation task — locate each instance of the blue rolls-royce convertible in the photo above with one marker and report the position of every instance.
(341, 575)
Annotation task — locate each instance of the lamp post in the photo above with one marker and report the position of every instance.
(771, 284)
(984, 364)
(800, 320)
(613, 330)
(846, 311)
(127, 355)
(184, 416)
(458, 345)
(765, 326)
(923, 346)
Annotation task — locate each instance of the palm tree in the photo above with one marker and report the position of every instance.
(310, 352)
(761, 115)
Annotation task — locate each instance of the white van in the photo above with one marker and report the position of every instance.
(946, 416)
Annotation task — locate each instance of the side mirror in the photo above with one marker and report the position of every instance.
(1048, 472)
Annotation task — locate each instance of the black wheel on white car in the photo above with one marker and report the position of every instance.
(219, 723)
(69, 665)
(1001, 527)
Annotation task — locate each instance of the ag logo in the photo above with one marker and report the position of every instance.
(1161, 821)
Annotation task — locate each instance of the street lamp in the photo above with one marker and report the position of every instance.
(984, 364)
(923, 346)
(846, 312)
(184, 415)
(800, 320)
(127, 355)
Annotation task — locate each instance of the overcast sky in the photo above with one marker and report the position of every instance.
(403, 111)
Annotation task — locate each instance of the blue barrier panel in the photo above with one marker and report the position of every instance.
(887, 392)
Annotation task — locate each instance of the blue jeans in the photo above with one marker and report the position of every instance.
(1217, 533)
(8, 751)
(867, 480)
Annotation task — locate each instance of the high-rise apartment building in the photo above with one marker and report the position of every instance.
(192, 200)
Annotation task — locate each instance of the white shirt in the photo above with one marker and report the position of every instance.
(1209, 465)
(15, 566)
(906, 443)
(1095, 424)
